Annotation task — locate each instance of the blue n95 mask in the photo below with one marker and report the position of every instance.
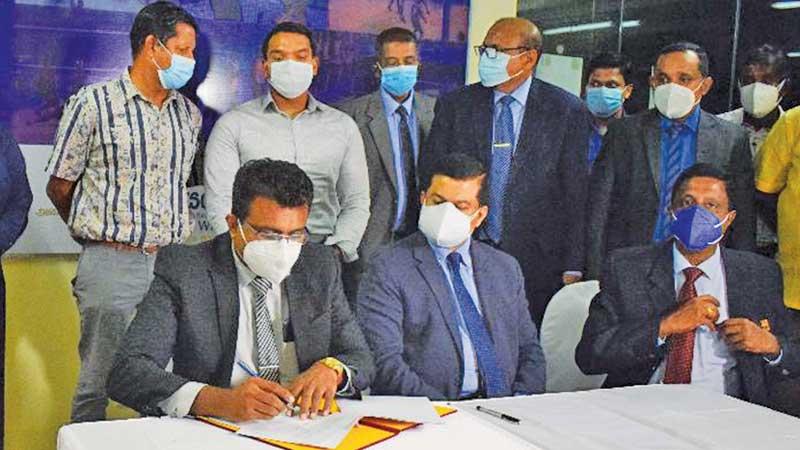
(696, 228)
(399, 80)
(603, 102)
(178, 73)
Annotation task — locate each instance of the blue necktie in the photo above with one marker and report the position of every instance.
(673, 167)
(502, 154)
(491, 373)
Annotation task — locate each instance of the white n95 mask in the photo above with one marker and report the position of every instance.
(674, 101)
(444, 224)
(759, 99)
(272, 260)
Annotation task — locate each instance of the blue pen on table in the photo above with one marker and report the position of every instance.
(497, 414)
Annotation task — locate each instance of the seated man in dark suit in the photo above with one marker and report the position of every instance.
(247, 337)
(643, 154)
(445, 315)
(690, 311)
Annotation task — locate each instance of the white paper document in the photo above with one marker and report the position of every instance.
(405, 409)
(322, 431)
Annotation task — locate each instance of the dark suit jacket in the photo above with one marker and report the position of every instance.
(637, 292)
(191, 314)
(409, 318)
(368, 113)
(624, 188)
(544, 211)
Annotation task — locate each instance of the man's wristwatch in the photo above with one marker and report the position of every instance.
(333, 363)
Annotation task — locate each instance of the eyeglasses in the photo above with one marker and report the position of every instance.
(298, 237)
(491, 51)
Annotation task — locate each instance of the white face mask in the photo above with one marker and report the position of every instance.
(290, 78)
(272, 260)
(760, 99)
(444, 224)
(675, 101)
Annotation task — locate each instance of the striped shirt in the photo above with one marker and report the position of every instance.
(131, 161)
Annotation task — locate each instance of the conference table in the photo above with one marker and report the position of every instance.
(658, 417)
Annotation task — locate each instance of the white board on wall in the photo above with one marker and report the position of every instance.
(565, 72)
(46, 233)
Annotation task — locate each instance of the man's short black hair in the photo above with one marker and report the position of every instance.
(610, 60)
(699, 170)
(457, 166)
(394, 34)
(280, 181)
(289, 27)
(684, 47)
(768, 56)
(160, 20)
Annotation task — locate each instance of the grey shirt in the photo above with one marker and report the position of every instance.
(321, 140)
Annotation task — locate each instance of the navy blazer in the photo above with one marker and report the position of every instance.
(638, 291)
(408, 315)
(543, 219)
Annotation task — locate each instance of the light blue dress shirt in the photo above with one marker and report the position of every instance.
(390, 106)
(470, 384)
(520, 95)
(687, 146)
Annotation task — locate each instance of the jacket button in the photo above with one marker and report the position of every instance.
(785, 372)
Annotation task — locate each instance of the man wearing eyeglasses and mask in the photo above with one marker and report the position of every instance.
(687, 310)
(255, 320)
(532, 136)
(643, 154)
(394, 121)
(446, 315)
(763, 82)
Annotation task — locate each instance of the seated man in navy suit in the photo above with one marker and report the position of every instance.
(688, 311)
(446, 316)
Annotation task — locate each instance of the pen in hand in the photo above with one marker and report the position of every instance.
(291, 406)
(498, 414)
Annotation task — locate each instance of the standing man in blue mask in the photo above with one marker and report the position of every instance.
(122, 156)
(394, 121)
(607, 89)
(643, 154)
(532, 136)
(688, 311)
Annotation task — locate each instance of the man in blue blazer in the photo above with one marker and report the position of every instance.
(446, 316)
(532, 136)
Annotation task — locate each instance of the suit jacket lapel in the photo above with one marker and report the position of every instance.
(662, 279)
(431, 271)
(482, 110)
(533, 131)
(483, 282)
(735, 289)
(424, 118)
(379, 129)
(651, 129)
(226, 293)
(707, 140)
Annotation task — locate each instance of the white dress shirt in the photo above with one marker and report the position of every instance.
(713, 364)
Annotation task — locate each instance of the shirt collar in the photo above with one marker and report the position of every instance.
(131, 91)
(692, 122)
(390, 105)
(463, 249)
(313, 103)
(712, 267)
(244, 275)
(520, 94)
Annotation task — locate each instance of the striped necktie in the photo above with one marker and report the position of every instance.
(266, 346)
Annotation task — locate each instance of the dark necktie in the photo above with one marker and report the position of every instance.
(681, 346)
(672, 166)
(409, 222)
(502, 155)
(491, 373)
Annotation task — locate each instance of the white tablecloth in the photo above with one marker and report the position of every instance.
(641, 418)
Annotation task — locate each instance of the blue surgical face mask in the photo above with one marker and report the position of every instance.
(178, 73)
(697, 228)
(604, 102)
(494, 71)
(399, 80)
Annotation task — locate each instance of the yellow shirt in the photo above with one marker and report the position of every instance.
(778, 172)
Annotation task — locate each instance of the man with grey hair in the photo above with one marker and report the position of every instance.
(532, 136)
